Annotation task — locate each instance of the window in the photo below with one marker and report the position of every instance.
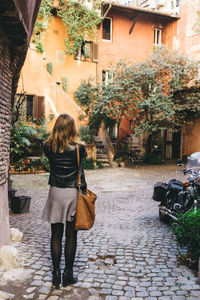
(87, 51)
(157, 37)
(30, 107)
(177, 3)
(107, 77)
(107, 29)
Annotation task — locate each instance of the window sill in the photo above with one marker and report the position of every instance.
(107, 41)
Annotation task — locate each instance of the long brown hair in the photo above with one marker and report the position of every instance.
(64, 133)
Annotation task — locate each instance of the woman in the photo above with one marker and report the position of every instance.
(60, 207)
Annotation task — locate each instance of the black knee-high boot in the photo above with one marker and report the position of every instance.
(56, 251)
(70, 252)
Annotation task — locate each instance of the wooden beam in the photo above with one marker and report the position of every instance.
(134, 21)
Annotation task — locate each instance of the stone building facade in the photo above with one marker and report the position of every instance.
(16, 23)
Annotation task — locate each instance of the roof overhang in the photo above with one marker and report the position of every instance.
(137, 9)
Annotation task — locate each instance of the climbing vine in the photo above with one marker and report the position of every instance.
(79, 20)
(80, 23)
(42, 23)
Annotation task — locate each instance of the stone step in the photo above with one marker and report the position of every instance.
(100, 146)
(97, 138)
(105, 165)
(101, 151)
(102, 156)
(103, 160)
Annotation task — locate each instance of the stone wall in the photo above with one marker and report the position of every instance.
(5, 116)
(5, 106)
(14, 40)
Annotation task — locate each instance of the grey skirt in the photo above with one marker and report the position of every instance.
(60, 205)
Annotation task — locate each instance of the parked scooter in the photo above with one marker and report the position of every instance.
(177, 197)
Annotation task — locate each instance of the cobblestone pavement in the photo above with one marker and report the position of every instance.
(128, 254)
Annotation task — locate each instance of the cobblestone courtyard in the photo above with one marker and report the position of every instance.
(128, 254)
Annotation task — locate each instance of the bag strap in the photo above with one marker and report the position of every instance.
(78, 162)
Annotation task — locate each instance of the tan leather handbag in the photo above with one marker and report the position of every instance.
(85, 210)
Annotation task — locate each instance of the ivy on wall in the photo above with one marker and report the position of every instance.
(80, 22)
(42, 23)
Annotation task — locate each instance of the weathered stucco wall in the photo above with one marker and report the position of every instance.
(191, 138)
(136, 46)
(37, 81)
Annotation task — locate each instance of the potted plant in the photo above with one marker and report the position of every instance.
(187, 231)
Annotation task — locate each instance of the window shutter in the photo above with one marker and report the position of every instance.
(95, 52)
(35, 107)
(41, 107)
(78, 54)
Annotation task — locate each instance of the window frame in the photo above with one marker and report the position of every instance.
(159, 44)
(38, 107)
(111, 24)
(81, 53)
(105, 77)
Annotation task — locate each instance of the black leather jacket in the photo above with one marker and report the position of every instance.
(64, 168)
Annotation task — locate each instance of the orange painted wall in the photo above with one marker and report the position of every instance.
(189, 45)
(136, 46)
(74, 70)
(37, 81)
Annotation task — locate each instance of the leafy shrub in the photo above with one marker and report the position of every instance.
(88, 163)
(37, 140)
(152, 158)
(99, 165)
(20, 141)
(86, 134)
(83, 94)
(187, 232)
(26, 140)
(44, 162)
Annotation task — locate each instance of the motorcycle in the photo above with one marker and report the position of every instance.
(177, 197)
